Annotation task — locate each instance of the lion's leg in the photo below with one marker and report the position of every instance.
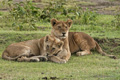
(56, 59)
(63, 54)
(41, 58)
(81, 53)
(13, 52)
(84, 48)
(27, 59)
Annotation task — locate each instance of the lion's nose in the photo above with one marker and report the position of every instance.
(63, 34)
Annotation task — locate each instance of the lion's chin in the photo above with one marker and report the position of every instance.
(62, 37)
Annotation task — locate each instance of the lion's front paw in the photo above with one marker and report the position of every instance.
(34, 60)
(79, 53)
(43, 58)
(19, 60)
(82, 53)
(63, 61)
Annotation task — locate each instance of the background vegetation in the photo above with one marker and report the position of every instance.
(20, 21)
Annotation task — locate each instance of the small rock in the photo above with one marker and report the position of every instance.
(42, 73)
(0, 77)
(53, 78)
(45, 78)
(71, 76)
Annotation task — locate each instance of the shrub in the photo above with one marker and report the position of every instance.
(24, 15)
(57, 9)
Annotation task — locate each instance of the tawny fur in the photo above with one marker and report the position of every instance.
(32, 50)
(58, 28)
(74, 42)
(82, 44)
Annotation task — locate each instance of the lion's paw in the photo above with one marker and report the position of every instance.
(19, 60)
(63, 61)
(34, 60)
(79, 53)
(43, 58)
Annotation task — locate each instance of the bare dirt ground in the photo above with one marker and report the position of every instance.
(103, 6)
(111, 46)
(100, 6)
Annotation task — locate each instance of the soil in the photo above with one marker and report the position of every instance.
(110, 46)
(101, 6)
(0, 77)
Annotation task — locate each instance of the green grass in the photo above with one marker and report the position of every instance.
(9, 37)
(92, 67)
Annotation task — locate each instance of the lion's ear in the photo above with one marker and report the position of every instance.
(69, 22)
(46, 38)
(60, 44)
(53, 21)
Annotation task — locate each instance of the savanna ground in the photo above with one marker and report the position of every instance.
(105, 28)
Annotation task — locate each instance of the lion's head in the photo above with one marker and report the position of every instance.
(60, 29)
(52, 45)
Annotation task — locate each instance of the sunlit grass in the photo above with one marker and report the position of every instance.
(90, 67)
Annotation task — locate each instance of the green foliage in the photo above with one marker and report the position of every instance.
(76, 13)
(7, 3)
(54, 9)
(24, 15)
(85, 17)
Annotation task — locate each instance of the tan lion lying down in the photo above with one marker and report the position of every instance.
(74, 42)
(33, 50)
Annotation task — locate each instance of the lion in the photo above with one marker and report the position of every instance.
(33, 50)
(74, 42)
(60, 30)
(82, 44)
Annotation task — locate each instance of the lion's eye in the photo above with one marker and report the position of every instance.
(47, 47)
(59, 27)
(53, 49)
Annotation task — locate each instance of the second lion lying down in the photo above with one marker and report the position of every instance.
(33, 50)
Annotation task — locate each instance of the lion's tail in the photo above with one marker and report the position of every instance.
(6, 57)
(99, 49)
